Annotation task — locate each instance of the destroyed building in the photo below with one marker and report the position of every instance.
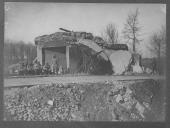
(80, 52)
(60, 44)
(54, 44)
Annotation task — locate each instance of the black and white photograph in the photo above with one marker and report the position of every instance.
(84, 62)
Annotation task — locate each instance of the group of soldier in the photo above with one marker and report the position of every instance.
(36, 68)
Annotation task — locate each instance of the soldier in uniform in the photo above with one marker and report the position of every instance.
(37, 68)
(24, 68)
(154, 66)
(60, 70)
(21, 68)
(46, 69)
(32, 69)
(28, 69)
(54, 65)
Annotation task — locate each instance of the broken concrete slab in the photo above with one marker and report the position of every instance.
(120, 61)
(92, 45)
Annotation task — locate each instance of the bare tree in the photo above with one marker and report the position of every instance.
(132, 29)
(158, 43)
(158, 47)
(110, 34)
(14, 51)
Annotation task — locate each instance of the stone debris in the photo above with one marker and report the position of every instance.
(140, 109)
(50, 102)
(119, 98)
(128, 91)
(114, 101)
(148, 71)
(137, 68)
(147, 105)
(77, 116)
(104, 115)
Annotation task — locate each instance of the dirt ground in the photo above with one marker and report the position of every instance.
(34, 80)
(127, 100)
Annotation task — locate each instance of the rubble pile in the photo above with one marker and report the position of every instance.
(109, 101)
(54, 102)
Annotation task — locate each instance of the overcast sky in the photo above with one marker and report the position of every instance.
(25, 21)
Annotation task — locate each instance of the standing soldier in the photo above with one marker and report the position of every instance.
(31, 69)
(24, 68)
(28, 69)
(60, 70)
(154, 66)
(21, 68)
(39, 68)
(54, 66)
(36, 68)
(46, 69)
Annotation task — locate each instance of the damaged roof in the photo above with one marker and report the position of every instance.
(60, 39)
(57, 39)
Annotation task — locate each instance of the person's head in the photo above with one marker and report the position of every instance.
(54, 56)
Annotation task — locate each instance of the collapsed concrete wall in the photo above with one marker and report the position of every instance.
(93, 46)
(120, 59)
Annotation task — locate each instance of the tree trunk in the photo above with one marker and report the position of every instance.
(134, 39)
(159, 59)
(134, 49)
